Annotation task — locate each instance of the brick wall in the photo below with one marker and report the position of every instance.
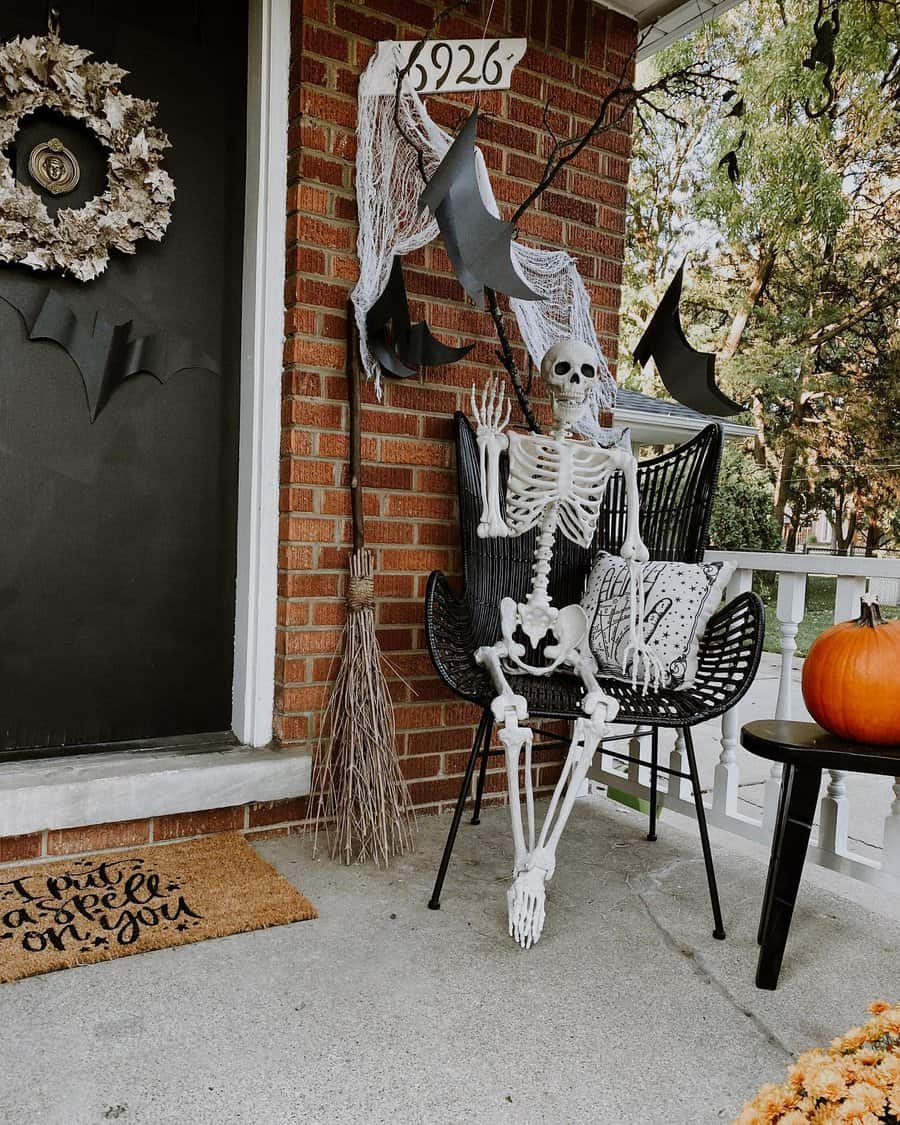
(574, 47)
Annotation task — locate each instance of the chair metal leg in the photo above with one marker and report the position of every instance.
(719, 931)
(654, 780)
(482, 772)
(434, 903)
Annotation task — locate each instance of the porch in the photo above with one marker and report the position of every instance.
(626, 1011)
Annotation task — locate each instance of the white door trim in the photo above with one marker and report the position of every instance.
(262, 347)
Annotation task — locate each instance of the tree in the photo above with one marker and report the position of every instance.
(742, 516)
(795, 254)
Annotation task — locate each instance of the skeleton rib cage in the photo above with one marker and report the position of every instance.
(544, 472)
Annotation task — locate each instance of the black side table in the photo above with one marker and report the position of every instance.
(805, 749)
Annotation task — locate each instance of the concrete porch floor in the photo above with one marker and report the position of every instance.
(383, 1011)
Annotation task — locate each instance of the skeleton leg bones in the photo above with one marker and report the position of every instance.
(534, 860)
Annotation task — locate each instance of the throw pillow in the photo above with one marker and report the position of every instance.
(679, 599)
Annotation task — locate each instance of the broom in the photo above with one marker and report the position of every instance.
(359, 792)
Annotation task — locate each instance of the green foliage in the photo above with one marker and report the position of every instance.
(742, 515)
(793, 270)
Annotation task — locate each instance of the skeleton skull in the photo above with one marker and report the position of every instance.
(569, 370)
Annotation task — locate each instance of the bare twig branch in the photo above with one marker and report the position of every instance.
(506, 357)
(616, 104)
(404, 73)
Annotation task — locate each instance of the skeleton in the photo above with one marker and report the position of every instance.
(554, 482)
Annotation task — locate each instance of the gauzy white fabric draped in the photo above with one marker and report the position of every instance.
(388, 186)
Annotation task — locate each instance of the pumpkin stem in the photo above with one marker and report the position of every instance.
(870, 612)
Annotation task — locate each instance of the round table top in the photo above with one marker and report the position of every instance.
(807, 744)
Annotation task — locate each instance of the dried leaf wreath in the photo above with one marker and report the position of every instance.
(43, 72)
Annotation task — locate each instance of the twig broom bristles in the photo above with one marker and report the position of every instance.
(359, 794)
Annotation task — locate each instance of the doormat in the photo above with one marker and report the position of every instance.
(79, 911)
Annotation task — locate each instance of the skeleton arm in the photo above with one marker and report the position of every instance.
(633, 546)
(645, 664)
(492, 441)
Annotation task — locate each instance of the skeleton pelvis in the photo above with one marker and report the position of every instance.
(567, 625)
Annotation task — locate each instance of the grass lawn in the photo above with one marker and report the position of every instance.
(819, 611)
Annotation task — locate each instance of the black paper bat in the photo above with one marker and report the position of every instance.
(411, 345)
(105, 354)
(688, 375)
(477, 241)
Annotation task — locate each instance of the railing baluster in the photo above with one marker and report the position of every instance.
(833, 815)
(789, 611)
(728, 773)
(847, 594)
(634, 770)
(679, 786)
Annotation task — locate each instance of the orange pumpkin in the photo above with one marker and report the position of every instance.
(851, 679)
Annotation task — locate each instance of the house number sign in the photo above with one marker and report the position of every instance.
(448, 65)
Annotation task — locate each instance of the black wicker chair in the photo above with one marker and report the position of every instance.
(676, 491)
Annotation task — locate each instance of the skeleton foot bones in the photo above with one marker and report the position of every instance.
(555, 483)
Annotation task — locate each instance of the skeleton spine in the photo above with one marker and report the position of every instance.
(543, 555)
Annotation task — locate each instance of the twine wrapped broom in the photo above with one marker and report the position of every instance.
(359, 794)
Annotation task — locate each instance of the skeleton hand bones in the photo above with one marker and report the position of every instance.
(492, 441)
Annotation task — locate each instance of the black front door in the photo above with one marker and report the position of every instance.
(117, 537)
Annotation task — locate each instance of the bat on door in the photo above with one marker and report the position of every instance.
(477, 242)
(411, 345)
(106, 354)
(688, 375)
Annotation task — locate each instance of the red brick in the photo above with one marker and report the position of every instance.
(179, 825)
(421, 767)
(357, 22)
(426, 507)
(302, 197)
(321, 41)
(292, 613)
(310, 472)
(312, 640)
(14, 849)
(278, 812)
(315, 415)
(401, 613)
(295, 558)
(308, 530)
(416, 452)
(98, 837)
(405, 559)
(311, 585)
(329, 613)
(304, 698)
(441, 789)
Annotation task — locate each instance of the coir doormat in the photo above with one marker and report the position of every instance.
(78, 911)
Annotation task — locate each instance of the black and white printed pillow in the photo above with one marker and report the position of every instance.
(679, 599)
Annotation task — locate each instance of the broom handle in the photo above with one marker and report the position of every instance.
(356, 491)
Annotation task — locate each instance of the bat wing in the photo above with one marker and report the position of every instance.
(688, 375)
(412, 345)
(105, 353)
(477, 242)
(162, 355)
(88, 340)
(390, 308)
(421, 349)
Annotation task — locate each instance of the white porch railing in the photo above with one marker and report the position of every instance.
(831, 848)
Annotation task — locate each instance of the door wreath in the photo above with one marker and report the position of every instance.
(43, 72)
